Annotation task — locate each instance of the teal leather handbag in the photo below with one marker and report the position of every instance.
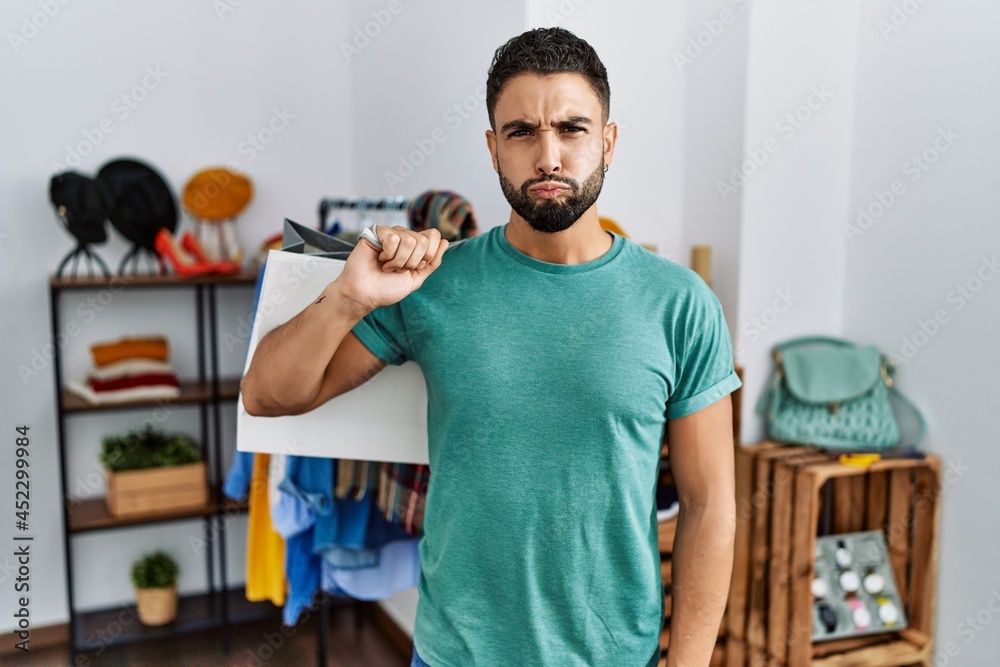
(833, 393)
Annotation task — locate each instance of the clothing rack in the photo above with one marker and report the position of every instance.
(362, 204)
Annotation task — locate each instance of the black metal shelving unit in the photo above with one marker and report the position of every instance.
(221, 606)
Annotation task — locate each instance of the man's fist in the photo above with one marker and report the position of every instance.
(374, 278)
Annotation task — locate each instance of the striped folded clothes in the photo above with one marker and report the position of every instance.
(133, 381)
(128, 369)
(138, 347)
(143, 393)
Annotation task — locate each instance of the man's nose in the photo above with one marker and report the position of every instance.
(549, 160)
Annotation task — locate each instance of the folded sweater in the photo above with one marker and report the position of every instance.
(149, 347)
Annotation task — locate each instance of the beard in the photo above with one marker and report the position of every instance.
(551, 215)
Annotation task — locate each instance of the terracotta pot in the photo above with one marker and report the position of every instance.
(156, 606)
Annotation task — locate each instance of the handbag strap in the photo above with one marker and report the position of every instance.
(802, 340)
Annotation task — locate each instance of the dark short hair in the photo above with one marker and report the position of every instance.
(545, 51)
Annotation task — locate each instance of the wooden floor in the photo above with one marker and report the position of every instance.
(349, 646)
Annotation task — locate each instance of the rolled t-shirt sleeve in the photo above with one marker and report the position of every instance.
(706, 371)
(384, 333)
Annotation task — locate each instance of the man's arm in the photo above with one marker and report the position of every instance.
(315, 356)
(292, 362)
(702, 460)
(352, 365)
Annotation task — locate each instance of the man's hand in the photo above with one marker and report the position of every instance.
(702, 460)
(297, 366)
(373, 278)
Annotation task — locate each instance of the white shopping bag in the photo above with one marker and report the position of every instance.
(385, 419)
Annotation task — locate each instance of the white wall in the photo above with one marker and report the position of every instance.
(711, 59)
(794, 177)
(939, 71)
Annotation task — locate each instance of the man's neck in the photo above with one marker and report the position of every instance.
(584, 241)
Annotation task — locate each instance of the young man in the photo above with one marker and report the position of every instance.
(557, 357)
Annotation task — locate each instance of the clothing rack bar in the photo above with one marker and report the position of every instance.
(328, 204)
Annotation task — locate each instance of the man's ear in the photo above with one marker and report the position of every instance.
(610, 138)
(491, 144)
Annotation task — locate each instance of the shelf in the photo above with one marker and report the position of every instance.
(92, 514)
(665, 535)
(221, 607)
(191, 392)
(195, 613)
(121, 282)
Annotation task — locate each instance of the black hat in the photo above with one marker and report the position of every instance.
(143, 202)
(83, 203)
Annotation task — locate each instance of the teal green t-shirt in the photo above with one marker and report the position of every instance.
(548, 388)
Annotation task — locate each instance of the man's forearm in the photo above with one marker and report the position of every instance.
(288, 365)
(702, 568)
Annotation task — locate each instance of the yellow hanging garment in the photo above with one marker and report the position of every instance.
(265, 547)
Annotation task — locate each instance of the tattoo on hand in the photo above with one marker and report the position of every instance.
(321, 298)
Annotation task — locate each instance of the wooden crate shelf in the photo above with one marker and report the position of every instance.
(785, 495)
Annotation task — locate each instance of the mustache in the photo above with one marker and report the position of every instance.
(550, 179)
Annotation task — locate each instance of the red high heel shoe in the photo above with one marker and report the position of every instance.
(192, 245)
(184, 264)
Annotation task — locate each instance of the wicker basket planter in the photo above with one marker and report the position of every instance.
(156, 606)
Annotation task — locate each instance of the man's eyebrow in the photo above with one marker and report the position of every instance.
(521, 124)
(574, 120)
(518, 124)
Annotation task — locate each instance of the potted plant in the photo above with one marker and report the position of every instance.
(155, 579)
(150, 472)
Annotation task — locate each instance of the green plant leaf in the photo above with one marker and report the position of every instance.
(155, 570)
(148, 448)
